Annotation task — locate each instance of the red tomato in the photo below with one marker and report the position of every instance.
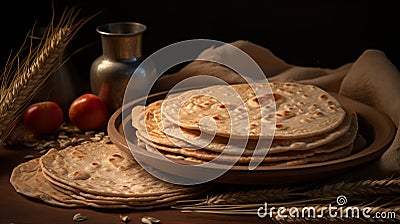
(43, 117)
(88, 112)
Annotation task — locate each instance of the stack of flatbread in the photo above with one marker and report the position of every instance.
(97, 175)
(241, 122)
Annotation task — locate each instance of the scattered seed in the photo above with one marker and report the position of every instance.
(149, 220)
(81, 139)
(29, 157)
(95, 139)
(46, 144)
(100, 134)
(43, 151)
(30, 144)
(63, 136)
(69, 129)
(74, 139)
(106, 138)
(78, 217)
(38, 148)
(89, 132)
(65, 143)
(125, 218)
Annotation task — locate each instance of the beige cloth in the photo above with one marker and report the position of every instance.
(371, 79)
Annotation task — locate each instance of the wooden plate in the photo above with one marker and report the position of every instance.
(375, 127)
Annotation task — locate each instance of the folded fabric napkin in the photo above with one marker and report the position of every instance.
(371, 79)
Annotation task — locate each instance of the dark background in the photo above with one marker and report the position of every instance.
(305, 33)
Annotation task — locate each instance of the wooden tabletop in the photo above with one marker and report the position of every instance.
(18, 209)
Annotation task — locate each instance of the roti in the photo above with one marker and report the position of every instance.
(322, 157)
(29, 179)
(148, 123)
(103, 169)
(236, 111)
(346, 140)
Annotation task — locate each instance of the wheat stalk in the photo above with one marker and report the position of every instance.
(250, 196)
(360, 190)
(378, 195)
(22, 78)
(321, 212)
(366, 188)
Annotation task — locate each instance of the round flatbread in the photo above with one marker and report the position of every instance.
(103, 169)
(101, 199)
(148, 124)
(134, 202)
(344, 141)
(322, 157)
(144, 120)
(231, 111)
(29, 180)
(299, 110)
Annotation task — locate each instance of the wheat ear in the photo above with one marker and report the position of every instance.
(361, 189)
(22, 78)
(320, 212)
(366, 188)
